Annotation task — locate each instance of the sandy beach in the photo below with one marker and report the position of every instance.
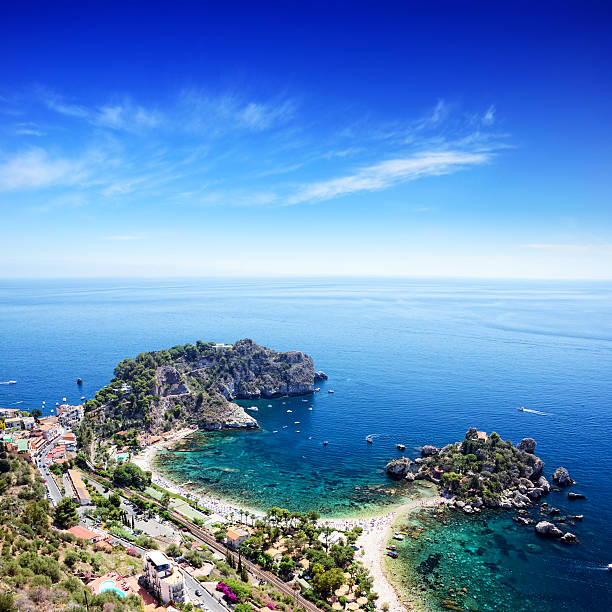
(373, 540)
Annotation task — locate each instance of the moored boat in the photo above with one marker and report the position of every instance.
(401, 447)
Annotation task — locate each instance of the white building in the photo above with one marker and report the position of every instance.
(164, 577)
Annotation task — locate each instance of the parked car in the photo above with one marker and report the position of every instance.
(198, 592)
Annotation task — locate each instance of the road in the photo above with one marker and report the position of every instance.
(153, 527)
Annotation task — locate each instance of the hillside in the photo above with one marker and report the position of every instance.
(44, 568)
(195, 384)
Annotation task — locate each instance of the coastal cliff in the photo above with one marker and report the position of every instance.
(196, 384)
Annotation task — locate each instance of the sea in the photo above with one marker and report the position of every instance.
(410, 361)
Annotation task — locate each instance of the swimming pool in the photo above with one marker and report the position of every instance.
(109, 585)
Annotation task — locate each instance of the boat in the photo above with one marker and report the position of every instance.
(296, 422)
(310, 437)
(304, 400)
(275, 431)
(369, 440)
(79, 381)
(284, 427)
(253, 408)
(398, 536)
(269, 405)
(309, 407)
(82, 397)
(325, 443)
(9, 382)
(610, 567)
(63, 399)
(289, 411)
(521, 408)
(401, 447)
(317, 389)
(392, 553)
(331, 391)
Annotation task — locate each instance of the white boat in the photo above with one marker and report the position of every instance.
(310, 408)
(610, 567)
(331, 391)
(289, 411)
(63, 399)
(8, 382)
(253, 408)
(269, 405)
(296, 422)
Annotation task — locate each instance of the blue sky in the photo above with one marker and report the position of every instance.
(410, 139)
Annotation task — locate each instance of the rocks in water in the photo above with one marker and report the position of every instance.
(523, 520)
(548, 530)
(521, 501)
(576, 517)
(535, 493)
(527, 445)
(320, 375)
(561, 477)
(572, 495)
(543, 484)
(429, 451)
(399, 468)
(569, 538)
(554, 512)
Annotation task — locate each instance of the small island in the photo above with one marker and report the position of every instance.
(195, 385)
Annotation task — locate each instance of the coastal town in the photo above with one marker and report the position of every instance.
(190, 547)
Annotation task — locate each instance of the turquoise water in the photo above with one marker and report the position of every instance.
(109, 585)
(410, 361)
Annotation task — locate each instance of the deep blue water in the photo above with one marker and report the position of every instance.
(411, 361)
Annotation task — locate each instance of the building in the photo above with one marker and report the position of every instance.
(164, 577)
(28, 422)
(13, 422)
(82, 533)
(69, 416)
(235, 537)
(8, 412)
(69, 440)
(482, 435)
(79, 490)
(49, 431)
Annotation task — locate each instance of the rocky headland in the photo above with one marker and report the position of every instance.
(197, 384)
(484, 471)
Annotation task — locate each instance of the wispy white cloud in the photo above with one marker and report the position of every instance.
(35, 169)
(228, 112)
(489, 117)
(388, 173)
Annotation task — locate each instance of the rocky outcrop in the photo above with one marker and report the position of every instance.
(547, 529)
(528, 445)
(399, 468)
(169, 381)
(249, 371)
(429, 451)
(562, 477)
(320, 375)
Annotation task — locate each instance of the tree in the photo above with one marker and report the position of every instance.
(66, 514)
(173, 550)
(115, 500)
(36, 413)
(329, 581)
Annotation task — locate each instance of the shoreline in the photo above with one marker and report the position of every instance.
(372, 542)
